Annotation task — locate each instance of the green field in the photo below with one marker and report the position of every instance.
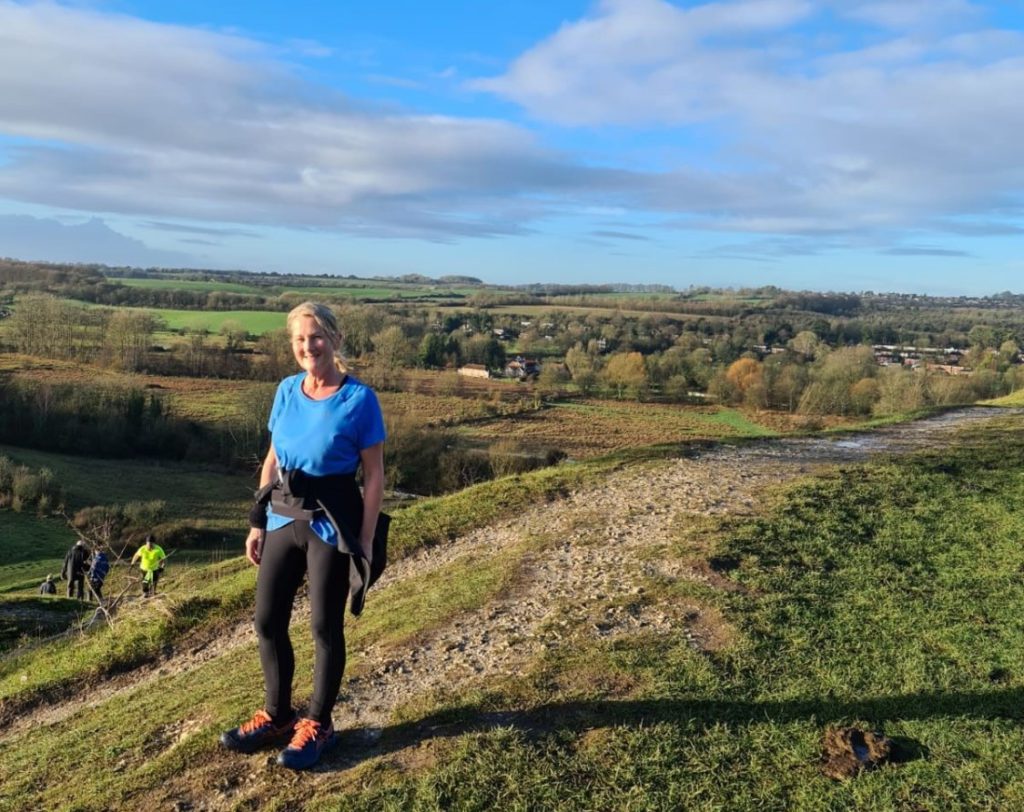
(216, 499)
(353, 289)
(195, 285)
(371, 291)
(255, 322)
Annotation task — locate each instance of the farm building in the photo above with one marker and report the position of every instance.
(474, 371)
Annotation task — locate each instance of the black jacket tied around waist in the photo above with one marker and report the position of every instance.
(336, 497)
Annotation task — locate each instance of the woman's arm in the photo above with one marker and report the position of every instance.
(373, 494)
(254, 541)
(269, 471)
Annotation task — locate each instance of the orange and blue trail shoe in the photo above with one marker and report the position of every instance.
(308, 742)
(256, 733)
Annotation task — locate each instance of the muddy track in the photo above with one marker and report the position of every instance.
(583, 576)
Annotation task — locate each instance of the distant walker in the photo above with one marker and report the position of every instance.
(151, 561)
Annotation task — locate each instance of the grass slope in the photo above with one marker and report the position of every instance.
(214, 497)
(208, 507)
(887, 595)
(30, 547)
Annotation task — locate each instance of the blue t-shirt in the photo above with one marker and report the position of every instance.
(322, 437)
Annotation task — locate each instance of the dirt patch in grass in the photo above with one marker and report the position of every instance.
(707, 630)
(706, 572)
(849, 751)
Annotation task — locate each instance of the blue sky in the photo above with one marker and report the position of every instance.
(830, 145)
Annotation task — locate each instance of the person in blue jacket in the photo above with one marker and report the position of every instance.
(325, 424)
(98, 569)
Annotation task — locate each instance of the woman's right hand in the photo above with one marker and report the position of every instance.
(254, 545)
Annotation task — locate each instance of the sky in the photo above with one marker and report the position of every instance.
(832, 145)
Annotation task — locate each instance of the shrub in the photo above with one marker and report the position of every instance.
(108, 523)
(21, 488)
(6, 474)
(506, 457)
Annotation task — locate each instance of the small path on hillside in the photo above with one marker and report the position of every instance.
(591, 577)
(585, 575)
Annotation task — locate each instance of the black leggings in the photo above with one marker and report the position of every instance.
(288, 553)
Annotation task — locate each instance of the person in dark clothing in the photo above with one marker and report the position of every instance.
(76, 564)
(48, 587)
(98, 570)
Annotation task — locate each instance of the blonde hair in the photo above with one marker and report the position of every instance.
(326, 321)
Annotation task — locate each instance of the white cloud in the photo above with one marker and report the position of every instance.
(904, 14)
(637, 62)
(781, 130)
(134, 117)
(805, 133)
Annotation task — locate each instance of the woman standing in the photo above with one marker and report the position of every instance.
(324, 424)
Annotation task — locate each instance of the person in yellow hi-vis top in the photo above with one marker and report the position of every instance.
(151, 561)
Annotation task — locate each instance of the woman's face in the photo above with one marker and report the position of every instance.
(312, 350)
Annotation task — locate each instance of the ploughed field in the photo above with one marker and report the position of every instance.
(583, 429)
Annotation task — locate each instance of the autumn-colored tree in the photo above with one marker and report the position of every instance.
(745, 377)
(863, 396)
(581, 366)
(626, 373)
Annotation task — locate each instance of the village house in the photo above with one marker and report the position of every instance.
(522, 368)
(910, 356)
(949, 369)
(474, 371)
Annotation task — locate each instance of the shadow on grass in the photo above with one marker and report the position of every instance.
(360, 744)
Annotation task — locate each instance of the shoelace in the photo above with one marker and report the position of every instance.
(306, 730)
(260, 718)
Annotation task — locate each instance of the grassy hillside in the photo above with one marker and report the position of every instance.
(210, 497)
(30, 547)
(204, 511)
(887, 595)
(1014, 399)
